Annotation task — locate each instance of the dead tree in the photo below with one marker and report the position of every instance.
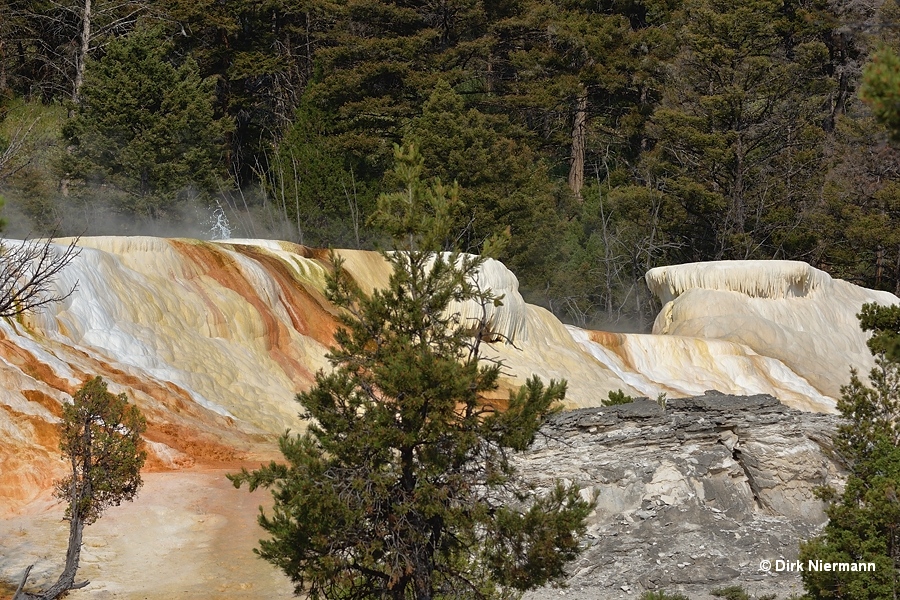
(28, 270)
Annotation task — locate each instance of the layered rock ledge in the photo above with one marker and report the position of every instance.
(690, 497)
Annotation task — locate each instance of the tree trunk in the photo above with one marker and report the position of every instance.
(80, 490)
(897, 274)
(66, 581)
(576, 170)
(2, 67)
(83, 49)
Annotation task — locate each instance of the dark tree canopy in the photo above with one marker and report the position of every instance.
(403, 486)
(145, 127)
(881, 88)
(608, 137)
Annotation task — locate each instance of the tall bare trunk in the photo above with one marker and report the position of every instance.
(66, 580)
(77, 493)
(82, 51)
(576, 170)
(2, 66)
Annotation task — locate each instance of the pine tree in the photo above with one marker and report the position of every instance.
(403, 486)
(100, 436)
(573, 72)
(884, 323)
(881, 88)
(504, 186)
(864, 521)
(261, 56)
(738, 132)
(379, 62)
(145, 127)
(858, 224)
(308, 181)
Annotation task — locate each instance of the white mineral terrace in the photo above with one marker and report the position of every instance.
(214, 339)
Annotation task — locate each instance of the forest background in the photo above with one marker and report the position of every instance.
(606, 137)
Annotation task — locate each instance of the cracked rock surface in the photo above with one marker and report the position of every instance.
(690, 498)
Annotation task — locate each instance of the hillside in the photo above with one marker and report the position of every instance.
(213, 339)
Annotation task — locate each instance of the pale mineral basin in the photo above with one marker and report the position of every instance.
(213, 340)
(784, 310)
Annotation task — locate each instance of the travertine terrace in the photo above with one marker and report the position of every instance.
(213, 340)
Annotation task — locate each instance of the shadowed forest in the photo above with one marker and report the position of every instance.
(606, 137)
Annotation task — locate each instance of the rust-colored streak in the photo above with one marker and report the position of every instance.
(201, 447)
(153, 464)
(168, 395)
(497, 399)
(611, 341)
(310, 312)
(44, 433)
(217, 265)
(26, 474)
(42, 399)
(606, 338)
(32, 367)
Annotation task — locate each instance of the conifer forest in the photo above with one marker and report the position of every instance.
(604, 137)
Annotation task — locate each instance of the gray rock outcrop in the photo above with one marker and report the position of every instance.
(692, 497)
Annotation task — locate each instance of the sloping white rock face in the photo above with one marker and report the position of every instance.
(528, 339)
(784, 310)
(213, 340)
(688, 366)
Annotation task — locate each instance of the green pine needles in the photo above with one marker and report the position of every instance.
(403, 487)
(100, 437)
(864, 521)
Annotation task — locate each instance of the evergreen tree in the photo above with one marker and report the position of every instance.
(504, 186)
(261, 56)
(44, 44)
(858, 224)
(402, 486)
(625, 230)
(884, 323)
(380, 61)
(864, 521)
(100, 436)
(881, 88)
(145, 127)
(313, 189)
(576, 73)
(739, 137)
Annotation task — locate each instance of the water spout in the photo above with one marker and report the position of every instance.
(221, 228)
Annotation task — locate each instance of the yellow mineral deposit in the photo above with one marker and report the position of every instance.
(213, 340)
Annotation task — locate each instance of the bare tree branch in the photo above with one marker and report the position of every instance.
(27, 272)
(18, 594)
(9, 164)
